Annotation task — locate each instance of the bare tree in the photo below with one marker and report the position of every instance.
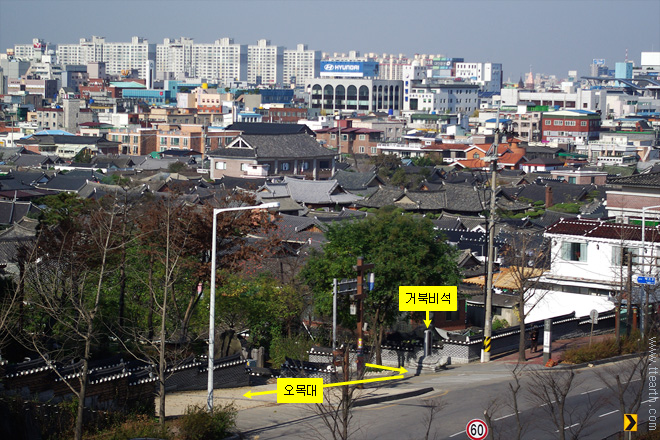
(626, 380)
(65, 287)
(512, 401)
(433, 408)
(527, 256)
(549, 390)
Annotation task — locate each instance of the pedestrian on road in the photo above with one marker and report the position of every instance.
(535, 339)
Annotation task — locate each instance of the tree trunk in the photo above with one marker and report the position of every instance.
(122, 289)
(150, 312)
(521, 340)
(78, 431)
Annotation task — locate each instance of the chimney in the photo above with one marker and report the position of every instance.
(548, 196)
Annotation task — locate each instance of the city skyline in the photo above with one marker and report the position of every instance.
(552, 37)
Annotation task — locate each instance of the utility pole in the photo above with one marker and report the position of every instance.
(488, 329)
(361, 268)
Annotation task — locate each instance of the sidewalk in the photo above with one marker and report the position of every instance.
(558, 347)
(176, 403)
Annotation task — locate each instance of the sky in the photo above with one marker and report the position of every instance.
(551, 36)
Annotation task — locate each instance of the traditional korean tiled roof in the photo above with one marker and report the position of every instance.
(646, 180)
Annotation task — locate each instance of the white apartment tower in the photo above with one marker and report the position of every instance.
(122, 56)
(175, 57)
(222, 61)
(265, 63)
(300, 65)
(86, 51)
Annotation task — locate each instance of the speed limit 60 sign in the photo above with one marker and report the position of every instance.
(476, 429)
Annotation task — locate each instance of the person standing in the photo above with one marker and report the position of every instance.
(535, 339)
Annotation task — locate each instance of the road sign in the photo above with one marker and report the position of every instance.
(594, 316)
(645, 280)
(476, 429)
(630, 422)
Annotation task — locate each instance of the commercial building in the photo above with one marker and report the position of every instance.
(175, 57)
(355, 95)
(487, 75)
(570, 126)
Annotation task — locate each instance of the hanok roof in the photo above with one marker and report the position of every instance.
(291, 146)
(601, 229)
(265, 128)
(12, 211)
(646, 180)
(356, 180)
(508, 277)
(35, 160)
(72, 181)
(310, 191)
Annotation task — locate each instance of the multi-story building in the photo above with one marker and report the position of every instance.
(351, 140)
(175, 57)
(47, 88)
(444, 96)
(355, 94)
(222, 61)
(300, 65)
(86, 51)
(180, 137)
(122, 56)
(487, 75)
(570, 126)
(265, 63)
(134, 140)
(31, 52)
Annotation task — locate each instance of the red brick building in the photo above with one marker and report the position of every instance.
(351, 140)
(572, 126)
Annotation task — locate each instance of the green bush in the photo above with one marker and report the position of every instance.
(295, 347)
(140, 426)
(198, 424)
(631, 343)
(500, 323)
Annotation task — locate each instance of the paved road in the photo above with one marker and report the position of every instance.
(465, 392)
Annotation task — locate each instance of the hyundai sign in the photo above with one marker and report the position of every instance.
(356, 69)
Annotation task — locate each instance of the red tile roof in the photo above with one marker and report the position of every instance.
(600, 229)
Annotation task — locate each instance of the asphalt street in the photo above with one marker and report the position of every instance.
(460, 394)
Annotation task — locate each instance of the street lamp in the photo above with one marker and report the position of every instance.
(216, 211)
(645, 303)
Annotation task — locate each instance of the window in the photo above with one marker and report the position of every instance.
(185, 142)
(175, 142)
(475, 156)
(572, 180)
(363, 137)
(135, 139)
(621, 256)
(285, 166)
(305, 165)
(548, 122)
(374, 150)
(221, 165)
(574, 251)
(163, 141)
(361, 149)
(558, 122)
(583, 123)
(244, 167)
(333, 136)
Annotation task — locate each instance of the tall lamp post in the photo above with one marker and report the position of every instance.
(209, 399)
(645, 305)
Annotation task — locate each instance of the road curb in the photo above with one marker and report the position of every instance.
(598, 362)
(390, 397)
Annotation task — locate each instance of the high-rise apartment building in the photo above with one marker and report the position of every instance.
(174, 57)
(222, 61)
(300, 65)
(487, 75)
(122, 56)
(265, 63)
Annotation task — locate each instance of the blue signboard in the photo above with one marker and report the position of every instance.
(646, 280)
(358, 69)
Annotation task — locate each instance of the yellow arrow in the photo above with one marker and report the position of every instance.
(427, 321)
(361, 381)
(400, 370)
(249, 394)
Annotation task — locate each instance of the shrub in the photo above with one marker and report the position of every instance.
(631, 343)
(198, 424)
(140, 426)
(295, 347)
(500, 323)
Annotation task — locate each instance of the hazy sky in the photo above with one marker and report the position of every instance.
(553, 36)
